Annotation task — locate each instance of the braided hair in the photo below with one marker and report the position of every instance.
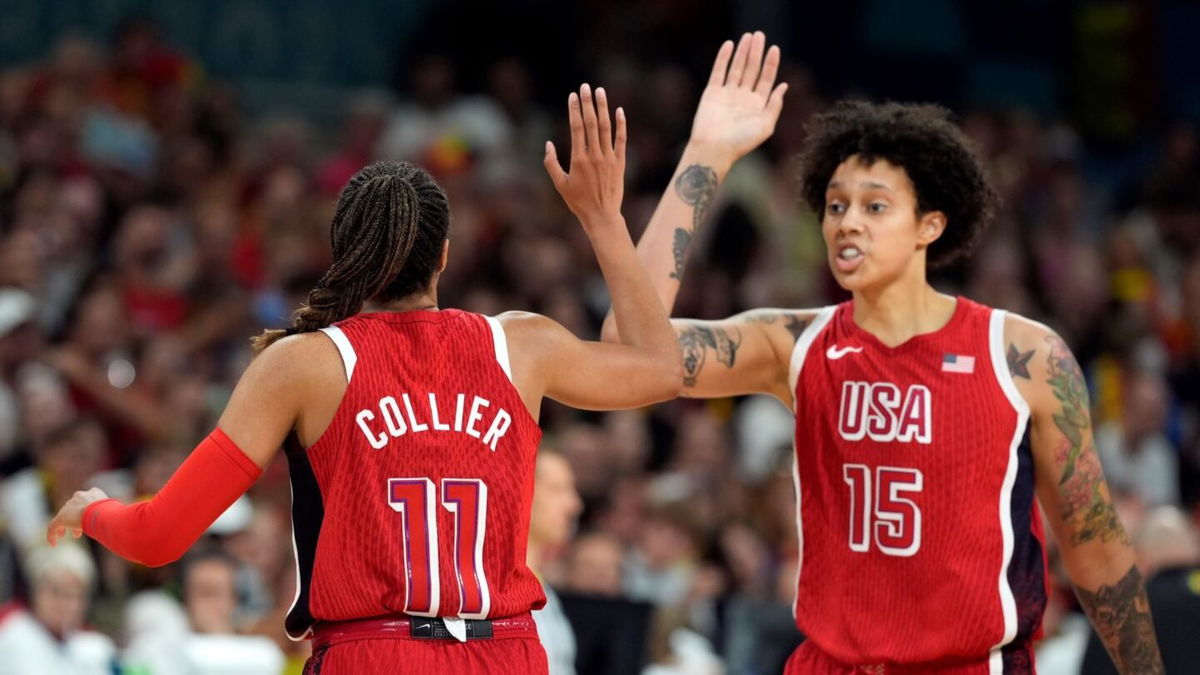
(387, 234)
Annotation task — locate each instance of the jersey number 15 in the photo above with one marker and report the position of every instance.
(416, 500)
(893, 520)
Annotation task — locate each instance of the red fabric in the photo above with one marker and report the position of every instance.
(808, 659)
(383, 656)
(885, 434)
(159, 531)
(392, 504)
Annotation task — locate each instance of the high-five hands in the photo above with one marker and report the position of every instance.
(741, 103)
(595, 184)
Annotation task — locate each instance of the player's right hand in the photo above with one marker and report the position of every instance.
(595, 184)
(741, 103)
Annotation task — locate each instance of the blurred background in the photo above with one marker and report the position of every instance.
(167, 175)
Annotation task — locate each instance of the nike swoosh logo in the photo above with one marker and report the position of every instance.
(834, 353)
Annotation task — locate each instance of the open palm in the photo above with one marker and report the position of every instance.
(741, 103)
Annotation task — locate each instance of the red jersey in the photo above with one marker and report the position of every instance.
(415, 500)
(919, 541)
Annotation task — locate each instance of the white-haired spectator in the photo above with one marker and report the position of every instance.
(49, 636)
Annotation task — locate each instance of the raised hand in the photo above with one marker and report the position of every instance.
(595, 184)
(70, 516)
(741, 103)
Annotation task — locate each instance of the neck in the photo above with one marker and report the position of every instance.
(416, 301)
(906, 307)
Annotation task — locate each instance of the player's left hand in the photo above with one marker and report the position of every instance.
(70, 516)
(595, 184)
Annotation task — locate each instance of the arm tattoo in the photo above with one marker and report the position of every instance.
(1087, 508)
(696, 186)
(793, 323)
(697, 341)
(795, 326)
(683, 241)
(1018, 362)
(1121, 616)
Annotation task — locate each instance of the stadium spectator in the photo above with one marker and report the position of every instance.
(1168, 547)
(556, 504)
(66, 459)
(1136, 454)
(50, 637)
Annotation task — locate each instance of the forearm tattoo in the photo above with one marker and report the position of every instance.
(696, 186)
(697, 341)
(1121, 615)
(1087, 508)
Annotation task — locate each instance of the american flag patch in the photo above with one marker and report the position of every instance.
(957, 363)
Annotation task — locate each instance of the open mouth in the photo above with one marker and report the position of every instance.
(848, 258)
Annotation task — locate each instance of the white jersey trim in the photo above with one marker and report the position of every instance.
(501, 344)
(996, 663)
(299, 581)
(349, 358)
(1008, 603)
(800, 351)
(799, 530)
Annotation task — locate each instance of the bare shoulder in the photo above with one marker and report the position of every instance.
(528, 330)
(793, 321)
(783, 327)
(304, 360)
(1040, 362)
(519, 321)
(297, 382)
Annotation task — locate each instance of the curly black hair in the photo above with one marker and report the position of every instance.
(946, 173)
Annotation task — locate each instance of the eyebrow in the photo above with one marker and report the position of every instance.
(869, 185)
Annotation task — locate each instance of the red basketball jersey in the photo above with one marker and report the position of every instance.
(919, 541)
(416, 498)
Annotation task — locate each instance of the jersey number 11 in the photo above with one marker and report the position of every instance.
(416, 500)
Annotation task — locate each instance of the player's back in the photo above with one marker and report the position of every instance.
(415, 500)
(919, 540)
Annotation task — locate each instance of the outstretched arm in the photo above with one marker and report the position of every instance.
(263, 409)
(737, 112)
(747, 353)
(1075, 497)
(550, 361)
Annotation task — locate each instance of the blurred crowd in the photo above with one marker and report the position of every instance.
(149, 227)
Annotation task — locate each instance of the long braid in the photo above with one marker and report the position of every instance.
(378, 222)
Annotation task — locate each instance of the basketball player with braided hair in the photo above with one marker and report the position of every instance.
(411, 431)
(926, 425)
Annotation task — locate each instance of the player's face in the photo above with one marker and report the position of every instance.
(871, 227)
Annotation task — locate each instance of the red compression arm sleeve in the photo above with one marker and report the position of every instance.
(158, 531)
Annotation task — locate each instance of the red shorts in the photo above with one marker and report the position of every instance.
(808, 659)
(386, 647)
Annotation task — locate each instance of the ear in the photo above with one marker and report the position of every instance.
(445, 256)
(930, 227)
